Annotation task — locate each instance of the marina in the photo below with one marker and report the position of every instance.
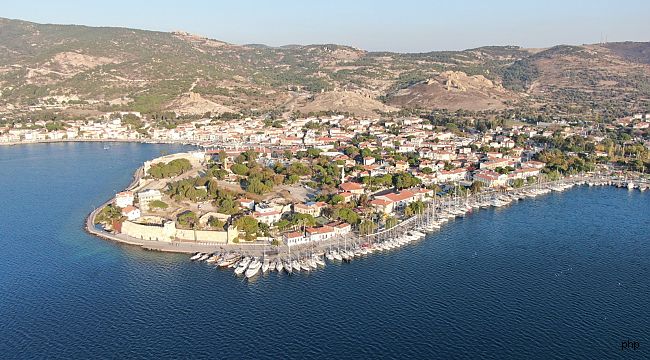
(498, 263)
(438, 212)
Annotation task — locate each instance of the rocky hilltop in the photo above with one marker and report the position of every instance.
(84, 69)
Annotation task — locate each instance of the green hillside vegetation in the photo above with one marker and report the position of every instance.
(149, 71)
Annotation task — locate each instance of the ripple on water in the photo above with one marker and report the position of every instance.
(483, 287)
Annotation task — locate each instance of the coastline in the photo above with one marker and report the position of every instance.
(137, 141)
(259, 249)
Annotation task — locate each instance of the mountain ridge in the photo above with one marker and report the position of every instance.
(114, 68)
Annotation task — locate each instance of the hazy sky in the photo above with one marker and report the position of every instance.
(399, 25)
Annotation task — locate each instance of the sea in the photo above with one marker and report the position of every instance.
(562, 276)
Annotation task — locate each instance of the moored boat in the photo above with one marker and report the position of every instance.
(253, 268)
(242, 265)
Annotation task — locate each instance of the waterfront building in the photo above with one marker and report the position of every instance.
(399, 199)
(294, 238)
(268, 218)
(490, 178)
(340, 227)
(523, 173)
(131, 212)
(124, 199)
(453, 175)
(382, 205)
(147, 196)
(533, 164)
(319, 233)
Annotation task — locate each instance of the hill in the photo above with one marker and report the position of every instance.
(70, 67)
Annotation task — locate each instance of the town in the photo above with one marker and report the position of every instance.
(320, 180)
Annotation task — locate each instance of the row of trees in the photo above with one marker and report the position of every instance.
(170, 169)
(204, 189)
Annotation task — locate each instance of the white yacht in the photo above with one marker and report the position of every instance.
(204, 257)
(242, 266)
(253, 268)
(319, 261)
(295, 264)
(337, 256)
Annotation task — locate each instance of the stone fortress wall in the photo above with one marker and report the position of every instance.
(168, 232)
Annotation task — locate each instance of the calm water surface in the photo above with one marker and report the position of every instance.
(563, 276)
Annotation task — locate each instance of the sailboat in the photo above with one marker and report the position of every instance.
(266, 263)
(288, 267)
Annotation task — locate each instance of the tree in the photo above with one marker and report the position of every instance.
(351, 151)
(215, 223)
(476, 187)
(283, 224)
(217, 173)
(249, 226)
(336, 199)
(291, 179)
(347, 215)
(187, 218)
(264, 229)
(367, 227)
(227, 205)
(391, 222)
(256, 186)
(239, 169)
(109, 213)
(302, 219)
(173, 168)
(405, 180)
(518, 183)
(314, 152)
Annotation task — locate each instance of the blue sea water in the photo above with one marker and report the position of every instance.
(563, 276)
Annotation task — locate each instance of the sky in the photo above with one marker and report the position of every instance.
(380, 25)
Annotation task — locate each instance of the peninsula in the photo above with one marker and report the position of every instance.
(335, 186)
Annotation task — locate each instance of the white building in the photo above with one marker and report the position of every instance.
(147, 196)
(124, 199)
(294, 238)
(320, 233)
(131, 212)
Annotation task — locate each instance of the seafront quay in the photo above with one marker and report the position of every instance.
(437, 211)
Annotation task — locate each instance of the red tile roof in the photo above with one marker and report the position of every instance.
(350, 186)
